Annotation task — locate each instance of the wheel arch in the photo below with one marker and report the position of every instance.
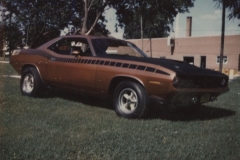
(34, 66)
(118, 79)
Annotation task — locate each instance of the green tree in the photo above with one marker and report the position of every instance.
(9, 27)
(41, 20)
(157, 15)
(87, 16)
(38, 20)
(233, 7)
(234, 12)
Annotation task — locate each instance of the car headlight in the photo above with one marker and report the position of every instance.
(175, 81)
(223, 82)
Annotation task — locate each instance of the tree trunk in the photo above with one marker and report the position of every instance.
(84, 26)
(10, 41)
(85, 30)
(94, 24)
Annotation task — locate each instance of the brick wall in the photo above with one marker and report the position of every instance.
(195, 47)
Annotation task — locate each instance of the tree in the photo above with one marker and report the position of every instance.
(157, 15)
(41, 20)
(87, 16)
(10, 33)
(233, 7)
(37, 20)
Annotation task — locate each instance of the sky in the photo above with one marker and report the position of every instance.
(206, 21)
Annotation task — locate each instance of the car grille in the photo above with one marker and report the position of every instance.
(201, 82)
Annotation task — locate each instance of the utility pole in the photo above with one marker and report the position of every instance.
(222, 36)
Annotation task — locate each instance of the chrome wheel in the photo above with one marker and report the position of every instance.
(31, 83)
(128, 101)
(28, 83)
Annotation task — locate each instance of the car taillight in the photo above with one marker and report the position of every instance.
(16, 52)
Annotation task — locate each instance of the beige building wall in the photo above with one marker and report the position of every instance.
(194, 47)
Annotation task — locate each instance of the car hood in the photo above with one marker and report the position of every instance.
(181, 68)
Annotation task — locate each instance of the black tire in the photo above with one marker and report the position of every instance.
(31, 83)
(130, 100)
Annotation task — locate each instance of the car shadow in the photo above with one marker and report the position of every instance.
(154, 112)
(77, 97)
(189, 114)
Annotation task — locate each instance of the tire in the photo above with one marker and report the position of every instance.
(31, 83)
(130, 100)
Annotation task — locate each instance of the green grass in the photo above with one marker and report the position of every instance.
(71, 126)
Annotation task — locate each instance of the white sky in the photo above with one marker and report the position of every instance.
(206, 21)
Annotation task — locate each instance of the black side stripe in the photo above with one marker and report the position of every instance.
(101, 63)
(112, 64)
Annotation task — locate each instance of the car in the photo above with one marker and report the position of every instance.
(115, 69)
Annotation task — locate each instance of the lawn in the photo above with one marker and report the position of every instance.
(71, 126)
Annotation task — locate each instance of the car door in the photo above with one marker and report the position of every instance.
(72, 71)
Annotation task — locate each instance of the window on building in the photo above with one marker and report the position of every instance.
(203, 62)
(225, 59)
(189, 60)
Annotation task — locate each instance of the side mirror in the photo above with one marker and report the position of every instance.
(75, 53)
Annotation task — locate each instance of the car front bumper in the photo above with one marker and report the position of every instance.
(190, 96)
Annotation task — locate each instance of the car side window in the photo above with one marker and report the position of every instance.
(68, 46)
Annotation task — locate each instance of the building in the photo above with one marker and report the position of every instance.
(200, 51)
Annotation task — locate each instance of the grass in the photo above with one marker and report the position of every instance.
(71, 126)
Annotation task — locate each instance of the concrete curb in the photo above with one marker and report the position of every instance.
(4, 61)
(11, 76)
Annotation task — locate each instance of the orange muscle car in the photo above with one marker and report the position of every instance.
(108, 67)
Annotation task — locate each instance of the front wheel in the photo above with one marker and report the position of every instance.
(130, 100)
(31, 83)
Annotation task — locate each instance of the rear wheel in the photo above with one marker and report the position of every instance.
(31, 83)
(130, 100)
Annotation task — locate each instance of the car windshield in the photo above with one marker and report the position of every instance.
(115, 47)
